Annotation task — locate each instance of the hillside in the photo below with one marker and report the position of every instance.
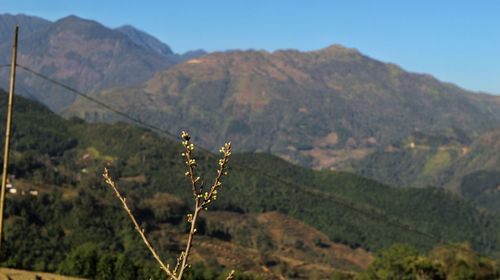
(477, 175)
(420, 160)
(75, 215)
(320, 109)
(449, 159)
(81, 53)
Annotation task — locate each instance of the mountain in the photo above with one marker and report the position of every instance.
(321, 109)
(192, 54)
(147, 41)
(83, 54)
(80, 53)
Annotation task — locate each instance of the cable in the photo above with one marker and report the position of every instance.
(372, 213)
(337, 199)
(123, 114)
(104, 105)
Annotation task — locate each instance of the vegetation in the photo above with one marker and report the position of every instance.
(483, 188)
(446, 159)
(444, 262)
(72, 226)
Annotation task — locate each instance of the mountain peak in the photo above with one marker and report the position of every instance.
(72, 18)
(78, 24)
(145, 40)
(337, 49)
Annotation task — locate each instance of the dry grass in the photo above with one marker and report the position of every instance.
(284, 231)
(15, 274)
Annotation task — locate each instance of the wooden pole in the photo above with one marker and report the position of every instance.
(7, 131)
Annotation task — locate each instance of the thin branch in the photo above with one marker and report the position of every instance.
(201, 202)
(123, 200)
(230, 276)
(190, 162)
(192, 218)
(222, 171)
(189, 244)
(179, 261)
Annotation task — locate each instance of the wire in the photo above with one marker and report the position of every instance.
(104, 105)
(372, 213)
(127, 116)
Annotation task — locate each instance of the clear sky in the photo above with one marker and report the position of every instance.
(455, 40)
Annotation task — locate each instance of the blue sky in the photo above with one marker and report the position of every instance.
(456, 41)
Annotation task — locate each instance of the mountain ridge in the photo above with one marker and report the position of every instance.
(354, 102)
(147, 41)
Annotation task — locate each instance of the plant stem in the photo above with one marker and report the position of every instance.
(189, 244)
(123, 200)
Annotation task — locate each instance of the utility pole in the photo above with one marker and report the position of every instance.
(7, 131)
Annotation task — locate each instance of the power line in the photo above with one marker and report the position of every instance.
(341, 201)
(104, 105)
(123, 114)
(372, 213)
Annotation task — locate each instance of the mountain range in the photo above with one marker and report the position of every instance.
(332, 110)
(301, 105)
(83, 54)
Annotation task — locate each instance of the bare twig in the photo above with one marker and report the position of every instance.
(123, 200)
(201, 202)
(230, 276)
(179, 261)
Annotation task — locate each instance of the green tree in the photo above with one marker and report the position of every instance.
(459, 262)
(106, 267)
(125, 269)
(395, 262)
(82, 261)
